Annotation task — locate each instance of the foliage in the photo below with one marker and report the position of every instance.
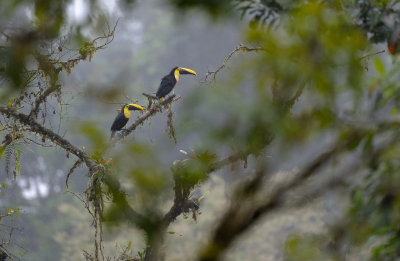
(12, 151)
(302, 84)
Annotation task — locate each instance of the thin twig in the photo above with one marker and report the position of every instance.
(371, 54)
(238, 49)
(76, 165)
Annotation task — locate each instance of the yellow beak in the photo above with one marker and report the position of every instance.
(133, 106)
(186, 71)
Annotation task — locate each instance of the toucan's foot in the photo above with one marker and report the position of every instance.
(120, 133)
(124, 129)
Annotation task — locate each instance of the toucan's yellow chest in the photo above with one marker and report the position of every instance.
(127, 113)
(176, 74)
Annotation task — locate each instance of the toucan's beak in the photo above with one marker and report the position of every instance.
(186, 71)
(135, 107)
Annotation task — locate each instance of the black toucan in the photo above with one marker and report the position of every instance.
(123, 117)
(168, 82)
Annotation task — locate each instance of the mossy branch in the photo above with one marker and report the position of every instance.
(46, 133)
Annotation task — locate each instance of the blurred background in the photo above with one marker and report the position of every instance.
(347, 83)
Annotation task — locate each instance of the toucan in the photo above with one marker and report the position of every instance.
(123, 117)
(168, 81)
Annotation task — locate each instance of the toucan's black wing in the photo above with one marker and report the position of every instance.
(119, 122)
(166, 86)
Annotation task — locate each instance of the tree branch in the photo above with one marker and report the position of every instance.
(240, 216)
(37, 128)
(76, 165)
(371, 54)
(150, 112)
(238, 49)
(42, 98)
(54, 67)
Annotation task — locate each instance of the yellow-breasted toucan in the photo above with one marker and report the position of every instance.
(123, 117)
(168, 82)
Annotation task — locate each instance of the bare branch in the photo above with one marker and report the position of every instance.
(109, 36)
(238, 49)
(76, 165)
(371, 54)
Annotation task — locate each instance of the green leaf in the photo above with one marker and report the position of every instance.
(380, 68)
(2, 149)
